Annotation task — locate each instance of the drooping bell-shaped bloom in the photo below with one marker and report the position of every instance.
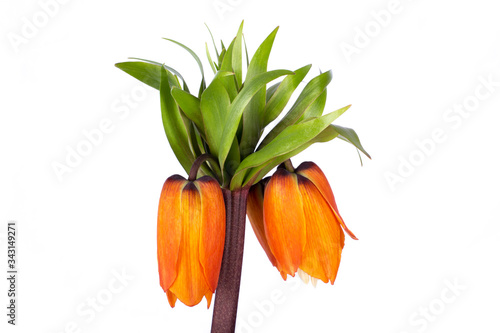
(191, 232)
(302, 225)
(255, 214)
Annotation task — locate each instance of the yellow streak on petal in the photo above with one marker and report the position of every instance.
(169, 230)
(190, 285)
(321, 257)
(312, 172)
(284, 221)
(213, 229)
(255, 212)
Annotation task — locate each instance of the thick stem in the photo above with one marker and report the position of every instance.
(228, 289)
(193, 173)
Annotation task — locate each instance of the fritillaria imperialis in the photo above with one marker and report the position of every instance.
(297, 222)
(191, 230)
(217, 136)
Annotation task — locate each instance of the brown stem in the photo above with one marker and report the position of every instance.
(193, 173)
(228, 289)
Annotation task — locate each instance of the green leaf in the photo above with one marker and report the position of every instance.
(193, 54)
(214, 110)
(281, 95)
(233, 160)
(260, 58)
(349, 135)
(142, 71)
(246, 51)
(238, 106)
(148, 72)
(173, 123)
(227, 66)
(287, 141)
(221, 58)
(197, 59)
(190, 105)
(306, 98)
(195, 139)
(167, 67)
(251, 116)
(272, 89)
(316, 108)
(326, 135)
(213, 41)
(237, 57)
(210, 61)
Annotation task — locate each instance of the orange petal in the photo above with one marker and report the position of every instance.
(171, 298)
(312, 172)
(169, 229)
(190, 285)
(213, 229)
(284, 221)
(208, 296)
(255, 212)
(321, 257)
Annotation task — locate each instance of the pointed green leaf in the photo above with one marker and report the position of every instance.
(147, 72)
(221, 58)
(173, 123)
(251, 116)
(192, 53)
(214, 110)
(306, 98)
(272, 89)
(227, 66)
(326, 135)
(142, 71)
(167, 67)
(281, 95)
(197, 59)
(233, 159)
(316, 108)
(210, 61)
(260, 58)
(190, 105)
(213, 41)
(237, 57)
(287, 141)
(246, 50)
(349, 135)
(238, 106)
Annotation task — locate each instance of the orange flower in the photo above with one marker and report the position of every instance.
(191, 232)
(255, 214)
(301, 222)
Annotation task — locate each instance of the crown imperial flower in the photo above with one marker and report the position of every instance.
(297, 222)
(216, 132)
(191, 230)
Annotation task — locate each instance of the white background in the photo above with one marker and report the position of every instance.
(435, 226)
